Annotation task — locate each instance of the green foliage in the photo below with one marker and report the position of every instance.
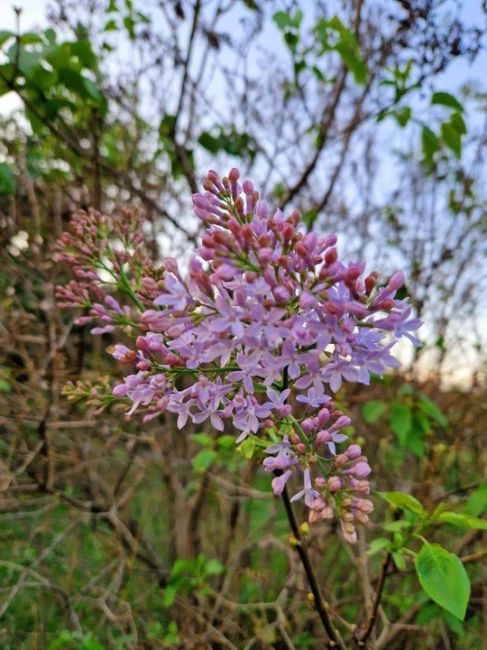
(477, 501)
(405, 501)
(188, 575)
(75, 641)
(412, 417)
(329, 36)
(7, 179)
(461, 520)
(347, 47)
(446, 99)
(373, 410)
(444, 579)
(229, 141)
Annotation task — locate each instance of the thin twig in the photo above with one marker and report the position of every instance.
(362, 639)
(335, 639)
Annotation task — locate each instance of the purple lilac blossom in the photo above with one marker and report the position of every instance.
(267, 324)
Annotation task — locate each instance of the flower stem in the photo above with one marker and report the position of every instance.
(335, 640)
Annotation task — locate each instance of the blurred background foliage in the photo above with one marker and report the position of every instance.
(364, 115)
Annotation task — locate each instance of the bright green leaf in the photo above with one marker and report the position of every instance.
(443, 578)
(397, 526)
(247, 447)
(202, 439)
(226, 442)
(213, 567)
(404, 501)
(403, 115)
(399, 560)
(462, 520)
(378, 544)
(429, 143)
(477, 502)
(204, 459)
(5, 35)
(452, 138)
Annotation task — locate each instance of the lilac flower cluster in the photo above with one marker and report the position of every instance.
(267, 323)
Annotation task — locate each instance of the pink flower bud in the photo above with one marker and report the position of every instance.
(171, 265)
(334, 483)
(396, 281)
(361, 517)
(365, 506)
(247, 187)
(323, 437)
(361, 470)
(234, 175)
(354, 451)
(319, 482)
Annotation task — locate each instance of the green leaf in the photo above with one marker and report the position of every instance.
(431, 410)
(348, 49)
(404, 501)
(420, 426)
(171, 590)
(309, 217)
(31, 38)
(378, 544)
(247, 447)
(166, 126)
(428, 612)
(5, 35)
(202, 439)
(477, 502)
(226, 442)
(461, 520)
(285, 21)
(373, 410)
(454, 624)
(452, 138)
(443, 578)
(354, 62)
(213, 567)
(402, 115)
(7, 179)
(429, 144)
(397, 526)
(26, 62)
(399, 560)
(204, 459)
(446, 99)
(208, 142)
(400, 421)
(458, 123)
(84, 51)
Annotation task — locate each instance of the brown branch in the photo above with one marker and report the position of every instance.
(362, 639)
(335, 640)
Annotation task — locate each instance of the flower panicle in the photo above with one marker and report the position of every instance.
(266, 323)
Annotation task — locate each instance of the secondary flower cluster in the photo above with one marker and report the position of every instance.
(266, 324)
